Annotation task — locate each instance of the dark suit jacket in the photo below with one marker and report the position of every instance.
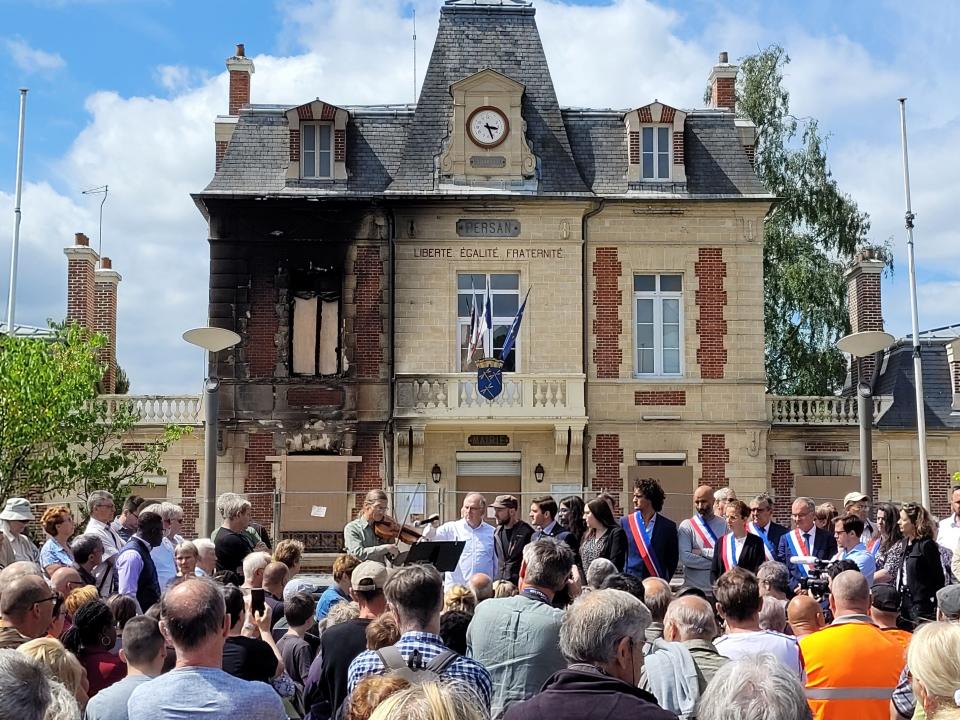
(508, 563)
(561, 534)
(665, 546)
(824, 547)
(613, 547)
(921, 561)
(751, 557)
(774, 533)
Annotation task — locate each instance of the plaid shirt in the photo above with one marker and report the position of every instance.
(428, 646)
(902, 698)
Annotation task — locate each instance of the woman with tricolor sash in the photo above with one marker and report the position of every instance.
(738, 548)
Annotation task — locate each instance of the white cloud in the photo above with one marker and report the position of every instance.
(31, 59)
(154, 151)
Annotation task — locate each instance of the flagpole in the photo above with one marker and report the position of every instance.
(912, 274)
(12, 298)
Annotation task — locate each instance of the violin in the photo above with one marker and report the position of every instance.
(389, 530)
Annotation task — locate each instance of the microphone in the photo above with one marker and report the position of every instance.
(427, 520)
(804, 560)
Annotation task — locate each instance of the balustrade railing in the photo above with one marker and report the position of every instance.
(456, 395)
(159, 409)
(817, 410)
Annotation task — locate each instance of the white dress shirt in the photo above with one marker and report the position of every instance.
(105, 572)
(478, 555)
(948, 533)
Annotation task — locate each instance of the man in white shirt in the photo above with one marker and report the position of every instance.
(101, 507)
(164, 555)
(948, 534)
(479, 555)
(738, 602)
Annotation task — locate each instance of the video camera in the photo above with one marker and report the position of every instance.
(815, 582)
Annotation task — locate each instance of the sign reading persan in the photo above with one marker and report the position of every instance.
(471, 227)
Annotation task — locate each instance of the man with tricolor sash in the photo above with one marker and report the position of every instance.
(697, 538)
(804, 540)
(652, 549)
(762, 525)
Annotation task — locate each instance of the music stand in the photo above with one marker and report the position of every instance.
(443, 555)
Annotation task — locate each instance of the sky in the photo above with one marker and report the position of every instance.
(124, 93)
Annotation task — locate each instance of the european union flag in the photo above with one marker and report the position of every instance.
(514, 330)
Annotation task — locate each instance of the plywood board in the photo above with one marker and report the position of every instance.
(677, 482)
(305, 336)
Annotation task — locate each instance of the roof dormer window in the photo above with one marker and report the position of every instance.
(655, 151)
(316, 142)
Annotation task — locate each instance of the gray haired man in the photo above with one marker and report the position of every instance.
(602, 638)
(101, 507)
(758, 687)
(24, 687)
(506, 633)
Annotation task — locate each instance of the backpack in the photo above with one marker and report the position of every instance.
(393, 661)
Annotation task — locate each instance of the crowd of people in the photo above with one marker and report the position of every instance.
(576, 613)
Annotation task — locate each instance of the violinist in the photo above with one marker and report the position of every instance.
(359, 538)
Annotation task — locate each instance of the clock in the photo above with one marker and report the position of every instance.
(488, 126)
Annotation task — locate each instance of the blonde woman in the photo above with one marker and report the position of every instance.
(61, 664)
(504, 588)
(432, 701)
(934, 661)
(459, 597)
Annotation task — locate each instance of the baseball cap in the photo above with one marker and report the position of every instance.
(505, 501)
(17, 509)
(368, 575)
(854, 497)
(885, 597)
(948, 601)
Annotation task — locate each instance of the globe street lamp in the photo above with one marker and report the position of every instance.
(213, 340)
(860, 345)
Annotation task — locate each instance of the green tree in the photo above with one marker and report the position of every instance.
(811, 230)
(56, 436)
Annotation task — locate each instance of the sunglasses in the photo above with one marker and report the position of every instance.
(57, 602)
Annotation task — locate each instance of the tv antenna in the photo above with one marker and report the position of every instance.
(102, 190)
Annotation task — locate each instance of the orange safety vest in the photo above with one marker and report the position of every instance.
(852, 670)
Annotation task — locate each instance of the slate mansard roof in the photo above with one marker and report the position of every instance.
(394, 150)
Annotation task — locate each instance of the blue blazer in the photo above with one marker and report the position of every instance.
(824, 547)
(665, 546)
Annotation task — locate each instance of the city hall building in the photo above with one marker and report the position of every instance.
(349, 245)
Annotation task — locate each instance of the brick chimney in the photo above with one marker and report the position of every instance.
(105, 319)
(863, 304)
(723, 84)
(81, 268)
(241, 68)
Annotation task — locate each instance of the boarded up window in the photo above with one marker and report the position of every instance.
(315, 329)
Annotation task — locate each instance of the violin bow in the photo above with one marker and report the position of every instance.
(407, 513)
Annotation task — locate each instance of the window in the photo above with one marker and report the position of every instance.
(316, 142)
(658, 302)
(504, 299)
(656, 153)
(315, 333)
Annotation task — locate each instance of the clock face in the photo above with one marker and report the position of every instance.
(488, 127)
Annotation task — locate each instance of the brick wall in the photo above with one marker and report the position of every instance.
(258, 486)
(723, 93)
(607, 326)
(314, 396)
(339, 145)
(678, 148)
(634, 147)
(368, 473)
(713, 457)
(644, 113)
(239, 91)
(940, 483)
(711, 300)
(368, 353)
(781, 482)
(105, 321)
(295, 145)
(826, 446)
(261, 346)
(751, 151)
(189, 485)
(81, 298)
(221, 151)
(660, 397)
(863, 306)
(607, 456)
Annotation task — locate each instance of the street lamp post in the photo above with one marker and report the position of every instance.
(859, 345)
(213, 340)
